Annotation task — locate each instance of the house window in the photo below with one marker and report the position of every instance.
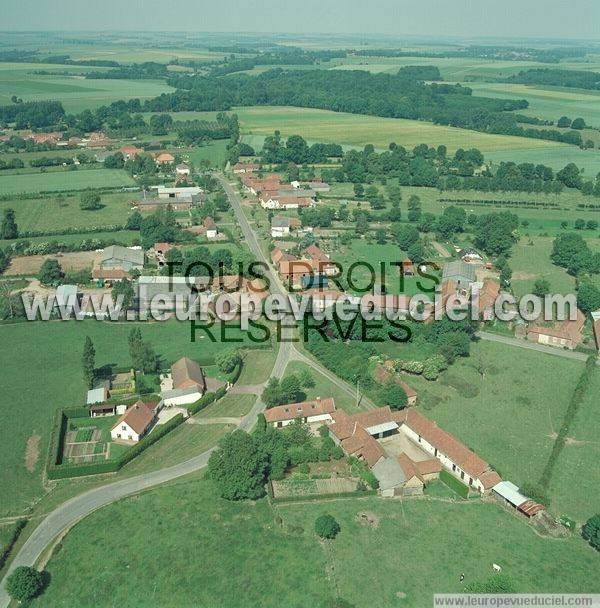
(453, 467)
(419, 438)
(123, 428)
(462, 474)
(470, 481)
(129, 437)
(435, 452)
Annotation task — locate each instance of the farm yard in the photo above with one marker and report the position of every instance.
(413, 540)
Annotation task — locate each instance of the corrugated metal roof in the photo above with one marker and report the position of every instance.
(509, 491)
(382, 428)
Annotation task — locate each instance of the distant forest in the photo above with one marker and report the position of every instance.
(579, 79)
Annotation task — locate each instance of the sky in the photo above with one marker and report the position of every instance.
(454, 18)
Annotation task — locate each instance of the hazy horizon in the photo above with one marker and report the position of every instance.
(529, 19)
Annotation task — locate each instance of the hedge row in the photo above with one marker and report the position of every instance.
(58, 471)
(18, 526)
(314, 497)
(449, 480)
(63, 231)
(574, 405)
(206, 400)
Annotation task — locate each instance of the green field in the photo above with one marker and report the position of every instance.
(426, 544)
(74, 92)
(579, 460)
(53, 350)
(358, 130)
(532, 261)
(324, 388)
(508, 416)
(52, 214)
(547, 103)
(122, 237)
(64, 180)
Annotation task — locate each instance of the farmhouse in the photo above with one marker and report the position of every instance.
(130, 152)
(380, 435)
(164, 158)
(187, 382)
(319, 410)
(566, 334)
(320, 261)
(245, 167)
(135, 422)
(487, 294)
(178, 192)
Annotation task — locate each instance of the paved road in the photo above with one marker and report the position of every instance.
(69, 513)
(541, 348)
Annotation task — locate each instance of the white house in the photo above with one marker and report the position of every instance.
(319, 410)
(135, 422)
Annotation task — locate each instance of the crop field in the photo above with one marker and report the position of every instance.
(415, 540)
(358, 130)
(557, 158)
(75, 92)
(56, 213)
(62, 382)
(458, 68)
(81, 179)
(547, 103)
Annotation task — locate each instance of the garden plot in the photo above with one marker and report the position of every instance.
(84, 445)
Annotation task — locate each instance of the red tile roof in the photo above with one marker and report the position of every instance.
(305, 409)
(138, 417)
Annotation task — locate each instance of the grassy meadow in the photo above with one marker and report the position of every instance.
(52, 350)
(50, 214)
(508, 415)
(415, 539)
(64, 180)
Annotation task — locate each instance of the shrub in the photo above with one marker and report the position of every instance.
(591, 531)
(326, 526)
(25, 583)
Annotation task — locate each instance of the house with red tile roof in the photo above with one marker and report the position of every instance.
(564, 334)
(135, 422)
(165, 158)
(315, 411)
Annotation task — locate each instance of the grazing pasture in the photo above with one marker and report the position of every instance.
(505, 404)
(415, 539)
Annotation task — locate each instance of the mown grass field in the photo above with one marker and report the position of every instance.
(231, 406)
(358, 130)
(416, 540)
(64, 180)
(324, 388)
(530, 260)
(509, 415)
(56, 213)
(43, 372)
(74, 92)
